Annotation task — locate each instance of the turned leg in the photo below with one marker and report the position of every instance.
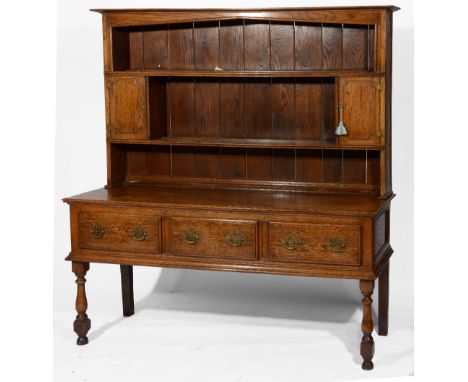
(383, 301)
(367, 342)
(126, 275)
(82, 323)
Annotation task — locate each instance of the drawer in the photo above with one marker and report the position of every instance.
(332, 244)
(119, 232)
(214, 238)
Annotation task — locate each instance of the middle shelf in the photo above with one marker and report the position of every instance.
(246, 143)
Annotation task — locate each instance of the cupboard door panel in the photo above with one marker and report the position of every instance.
(363, 110)
(126, 108)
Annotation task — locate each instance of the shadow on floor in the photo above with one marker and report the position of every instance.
(282, 300)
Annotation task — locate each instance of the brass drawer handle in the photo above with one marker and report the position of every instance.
(190, 236)
(140, 234)
(291, 241)
(336, 244)
(236, 238)
(97, 231)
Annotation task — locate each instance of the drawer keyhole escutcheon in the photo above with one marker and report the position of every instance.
(236, 238)
(291, 241)
(190, 236)
(336, 244)
(97, 231)
(140, 234)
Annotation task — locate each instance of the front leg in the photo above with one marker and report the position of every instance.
(367, 342)
(82, 323)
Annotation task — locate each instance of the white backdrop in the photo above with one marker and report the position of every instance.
(232, 303)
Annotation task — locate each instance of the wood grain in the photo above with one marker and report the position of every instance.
(308, 110)
(155, 46)
(308, 46)
(207, 111)
(208, 162)
(309, 166)
(119, 229)
(180, 46)
(282, 46)
(231, 109)
(181, 108)
(123, 94)
(206, 45)
(213, 241)
(256, 45)
(283, 163)
(313, 243)
(233, 163)
(231, 45)
(282, 109)
(355, 47)
(258, 109)
(332, 57)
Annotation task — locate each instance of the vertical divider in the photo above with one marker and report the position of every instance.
(321, 51)
(269, 41)
(219, 44)
(294, 113)
(321, 164)
(168, 110)
(366, 168)
(142, 51)
(243, 51)
(342, 46)
(342, 166)
(322, 119)
(243, 89)
(193, 45)
(271, 109)
(294, 52)
(368, 67)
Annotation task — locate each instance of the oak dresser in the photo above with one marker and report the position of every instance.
(247, 140)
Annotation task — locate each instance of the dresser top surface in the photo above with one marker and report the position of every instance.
(234, 200)
(356, 8)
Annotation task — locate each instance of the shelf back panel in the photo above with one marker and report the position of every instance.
(310, 170)
(265, 108)
(244, 45)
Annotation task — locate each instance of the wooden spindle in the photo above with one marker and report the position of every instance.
(82, 323)
(367, 326)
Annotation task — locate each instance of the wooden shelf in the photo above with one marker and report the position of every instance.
(235, 200)
(247, 143)
(244, 73)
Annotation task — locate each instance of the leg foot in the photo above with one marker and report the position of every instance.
(383, 301)
(82, 323)
(126, 275)
(367, 326)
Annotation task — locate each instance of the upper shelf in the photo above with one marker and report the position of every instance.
(245, 73)
(245, 45)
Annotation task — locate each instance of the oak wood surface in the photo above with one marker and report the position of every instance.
(213, 238)
(234, 200)
(313, 243)
(222, 152)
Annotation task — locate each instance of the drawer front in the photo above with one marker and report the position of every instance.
(119, 232)
(315, 243)
(214, 238)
